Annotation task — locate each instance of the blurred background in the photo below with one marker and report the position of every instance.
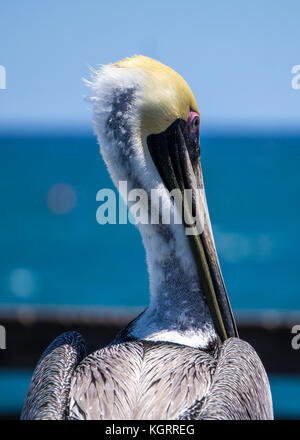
(59, 269)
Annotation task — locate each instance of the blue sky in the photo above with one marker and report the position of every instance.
(237, 56)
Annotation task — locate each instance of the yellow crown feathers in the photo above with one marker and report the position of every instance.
(166, 95)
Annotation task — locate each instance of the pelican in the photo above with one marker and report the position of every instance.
(181, 358)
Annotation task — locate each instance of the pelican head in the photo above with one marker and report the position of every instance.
(147, 122)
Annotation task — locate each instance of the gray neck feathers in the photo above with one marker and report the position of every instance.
(177, 306)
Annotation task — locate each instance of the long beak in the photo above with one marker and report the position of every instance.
(177, 159)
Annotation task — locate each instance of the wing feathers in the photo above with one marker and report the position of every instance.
(148, 380)
(48, 392)
(240, 389)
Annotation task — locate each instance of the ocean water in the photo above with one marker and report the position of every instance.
(54, 252)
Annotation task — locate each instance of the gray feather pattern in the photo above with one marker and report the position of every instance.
(143, 380)
(240, 388)
(148, 380)
(48, 392)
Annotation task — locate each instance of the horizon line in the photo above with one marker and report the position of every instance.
(211, 130)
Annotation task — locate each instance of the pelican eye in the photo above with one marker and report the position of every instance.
(196, 123)
(193, 122)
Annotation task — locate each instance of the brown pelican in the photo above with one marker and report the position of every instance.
(181, 358)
